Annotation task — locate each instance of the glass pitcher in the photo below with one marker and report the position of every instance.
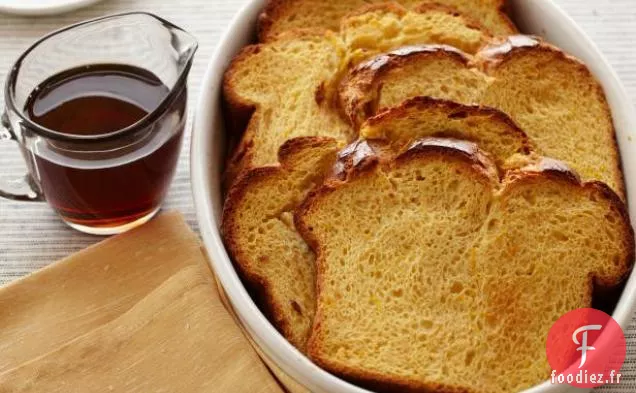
(110, 182)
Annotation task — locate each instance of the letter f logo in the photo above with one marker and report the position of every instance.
(583, 344)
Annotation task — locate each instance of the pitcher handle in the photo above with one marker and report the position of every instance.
(22, 188)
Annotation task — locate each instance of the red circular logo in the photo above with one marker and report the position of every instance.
(586, 349)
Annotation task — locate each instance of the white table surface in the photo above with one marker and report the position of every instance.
(31, 236)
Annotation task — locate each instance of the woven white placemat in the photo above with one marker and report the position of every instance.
(31, 236)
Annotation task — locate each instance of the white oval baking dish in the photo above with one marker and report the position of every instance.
(541, 17)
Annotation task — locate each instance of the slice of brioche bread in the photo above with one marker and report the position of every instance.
(421, 117)
(284, 15)
(280, 88)
(422, 70)
(428, 274)
(550, 95)
(383, 27)
(565, 239)
(558, 102)
(259, 233)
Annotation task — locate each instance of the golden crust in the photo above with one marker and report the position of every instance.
(501, 50)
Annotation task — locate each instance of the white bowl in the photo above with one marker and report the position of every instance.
(541, 17)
